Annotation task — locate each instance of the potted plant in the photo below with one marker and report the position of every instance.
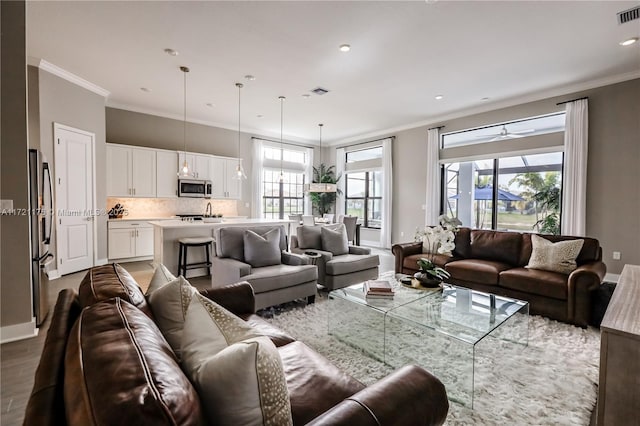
(429, 274)
(322, 202)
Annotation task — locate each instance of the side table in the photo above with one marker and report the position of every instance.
(313, 256)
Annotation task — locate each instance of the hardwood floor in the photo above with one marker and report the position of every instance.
(20, 359)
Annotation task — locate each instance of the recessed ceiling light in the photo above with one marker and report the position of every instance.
(306, 96)
(210, 105)
(484, 99)
(345, 48)
(171, 52)
(629, 42)
(249, 77)
(145, 89)
(259, 115)
(438, 97)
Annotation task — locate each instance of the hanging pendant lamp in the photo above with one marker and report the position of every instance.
(185, 172)
(239, 169)
(282, 98)
(319, 186)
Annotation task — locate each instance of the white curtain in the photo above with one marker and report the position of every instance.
(340, 159)
(256, 172)
(574, 180)
(387, 189)
(432, 203)
(308, 176)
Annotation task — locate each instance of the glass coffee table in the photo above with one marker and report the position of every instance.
(438, 330)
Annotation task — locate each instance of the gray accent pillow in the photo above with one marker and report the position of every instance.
(262, 250)
(334, 240)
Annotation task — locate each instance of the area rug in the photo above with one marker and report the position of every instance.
(552, 381)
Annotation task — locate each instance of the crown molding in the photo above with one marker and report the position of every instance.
(66, 75)
(506, 103)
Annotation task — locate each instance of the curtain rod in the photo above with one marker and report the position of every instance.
(362, 143)
(572, 100)
(437, 127)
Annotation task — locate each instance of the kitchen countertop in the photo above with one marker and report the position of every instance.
(147, 218)
(177, 223)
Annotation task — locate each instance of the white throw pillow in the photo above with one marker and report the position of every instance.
(555, 257)
(238, 373)
(244, 384)
(161, 276)
(169, 305)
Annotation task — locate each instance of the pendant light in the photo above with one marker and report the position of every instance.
(282, 98)
(185, 166)
(321, 187)
(239, 170)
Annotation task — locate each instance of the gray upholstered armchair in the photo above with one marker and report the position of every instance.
(257, 255)
(339, 264)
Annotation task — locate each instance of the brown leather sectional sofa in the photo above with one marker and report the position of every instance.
(106, 362)
(494, 262)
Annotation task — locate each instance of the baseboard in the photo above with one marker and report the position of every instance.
(100, 262)
(25, 330)
(612, 278)
(129, 259)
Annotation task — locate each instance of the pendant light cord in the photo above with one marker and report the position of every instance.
(184, 121)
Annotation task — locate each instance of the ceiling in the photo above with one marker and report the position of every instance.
(402, 55)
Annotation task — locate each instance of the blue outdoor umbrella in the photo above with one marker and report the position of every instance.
(486, 193)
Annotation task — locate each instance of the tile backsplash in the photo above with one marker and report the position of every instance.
(166, 207)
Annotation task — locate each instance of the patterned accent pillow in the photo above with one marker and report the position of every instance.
(262, 250)
(161, 276)
(169, 305)
(335, 240)
(237, 372)
(555, 257)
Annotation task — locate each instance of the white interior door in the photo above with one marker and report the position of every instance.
(74, 198)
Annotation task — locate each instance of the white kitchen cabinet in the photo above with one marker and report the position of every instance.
(131, 172)
(130, 240)
(199, 165)
(225, 182)
(166, 174)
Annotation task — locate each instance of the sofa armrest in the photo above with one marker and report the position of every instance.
(400, 251)
(408, 396)
(359, 250)
(580, 285)
(225, 271)
(295, 259)
(238, 298)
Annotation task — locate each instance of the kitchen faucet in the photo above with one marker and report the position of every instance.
(208, 212)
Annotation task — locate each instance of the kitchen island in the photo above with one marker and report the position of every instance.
(166, 234)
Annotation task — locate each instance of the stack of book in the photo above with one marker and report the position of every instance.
(378, 289)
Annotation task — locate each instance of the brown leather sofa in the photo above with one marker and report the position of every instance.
(106, 362)
(494, 262)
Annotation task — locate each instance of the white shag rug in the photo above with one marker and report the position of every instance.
(552, 381)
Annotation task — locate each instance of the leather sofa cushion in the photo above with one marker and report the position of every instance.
(476, 270)
(463, 243)
(533, 281)
(230, 240)
(590, 248)
(109, 281)
(495, 245)
(315, 385)
(411, 262)
(263, 328)
(120, 370)
(347, 263)
(276, 277)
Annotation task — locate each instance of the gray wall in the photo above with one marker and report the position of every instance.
(613, 176)
(133, 128)
(66, 103)
(15, 284)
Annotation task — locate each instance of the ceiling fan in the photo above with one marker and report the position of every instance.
(505, 134)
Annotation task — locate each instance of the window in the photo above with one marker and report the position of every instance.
(279, 199)
(505, 191)
(364, 197)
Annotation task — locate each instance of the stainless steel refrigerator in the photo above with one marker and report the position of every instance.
(41, 217)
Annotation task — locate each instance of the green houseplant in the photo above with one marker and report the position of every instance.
(429, 274)
(322, 202)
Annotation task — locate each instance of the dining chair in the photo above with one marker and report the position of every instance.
(296, 217)
(308, 220)
(329, 217)
(350, 223)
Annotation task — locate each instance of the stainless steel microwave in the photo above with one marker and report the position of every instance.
(194, 188)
